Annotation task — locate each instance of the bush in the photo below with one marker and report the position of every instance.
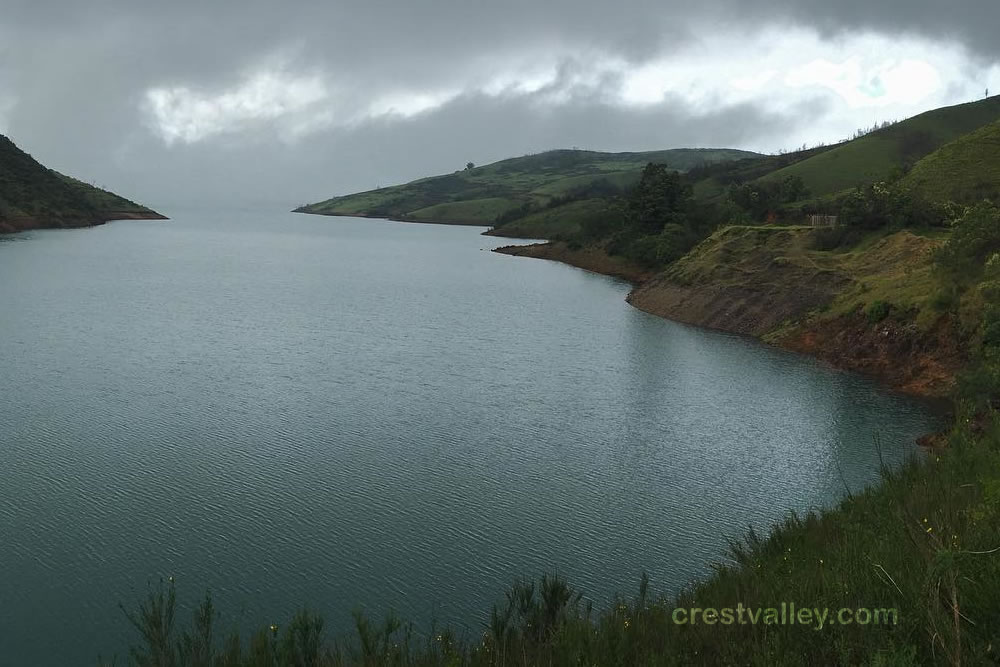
(878, 311)
(974, 242)
(887, 206)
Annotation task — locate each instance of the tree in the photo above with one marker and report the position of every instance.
(660, 197)
(469, 166)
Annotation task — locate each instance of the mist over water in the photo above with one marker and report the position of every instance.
(341, 413)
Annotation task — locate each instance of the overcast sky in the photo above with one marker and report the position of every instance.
(177, 102)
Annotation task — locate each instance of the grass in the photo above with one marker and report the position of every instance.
(465, 212)
(878, 155)
(896, 270)
(892, 267)
(510, 183)
(966, 170)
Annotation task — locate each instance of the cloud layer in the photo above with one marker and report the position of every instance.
(260, 102)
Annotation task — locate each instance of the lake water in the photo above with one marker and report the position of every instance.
(339, 413)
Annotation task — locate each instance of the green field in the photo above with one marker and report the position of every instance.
(876, 156)
(965, 171)
(477, 196)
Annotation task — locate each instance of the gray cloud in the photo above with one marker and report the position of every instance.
(389, 150)
(74, 82)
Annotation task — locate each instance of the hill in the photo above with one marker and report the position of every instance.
(477, 196)
(965, 171)
(878, 155)
(32, 196)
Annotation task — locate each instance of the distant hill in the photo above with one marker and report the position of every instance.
(479, 195)
(965, 171)
(880, 154)
(33, 196)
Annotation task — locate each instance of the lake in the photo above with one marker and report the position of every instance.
(342, 413)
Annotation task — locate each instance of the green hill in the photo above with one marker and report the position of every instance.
(479, 195)
(877, 155)
(966, 170)
(32, 196)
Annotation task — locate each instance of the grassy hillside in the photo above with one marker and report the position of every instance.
(477, 196)
(876, 156)
(33, 196)
(965, 171)
(711, 183)
(564, 221)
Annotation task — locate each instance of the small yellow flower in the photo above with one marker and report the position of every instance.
(929, 529)
(274, 628)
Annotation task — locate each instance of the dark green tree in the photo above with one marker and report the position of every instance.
(662, 196)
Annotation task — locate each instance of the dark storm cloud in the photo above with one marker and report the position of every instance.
(74, 79)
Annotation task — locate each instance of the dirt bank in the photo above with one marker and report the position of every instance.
(767, 283)
(897, 352)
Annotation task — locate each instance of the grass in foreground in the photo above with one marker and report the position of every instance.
(926, 543)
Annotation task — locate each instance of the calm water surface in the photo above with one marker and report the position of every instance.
(292, 410)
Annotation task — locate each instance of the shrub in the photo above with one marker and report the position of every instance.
(974, 242)
(878, 311)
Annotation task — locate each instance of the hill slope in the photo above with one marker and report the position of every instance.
(32, 196)
(477, 196)
(966, 170)
(877, 155)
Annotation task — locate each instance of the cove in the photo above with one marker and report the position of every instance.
(344, 413)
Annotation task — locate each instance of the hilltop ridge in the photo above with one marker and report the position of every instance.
(479, 195)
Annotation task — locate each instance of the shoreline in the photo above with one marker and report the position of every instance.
(19, 224)
(929, 385)
(369, 216)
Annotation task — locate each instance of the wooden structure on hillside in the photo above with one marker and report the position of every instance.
(823, 220)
